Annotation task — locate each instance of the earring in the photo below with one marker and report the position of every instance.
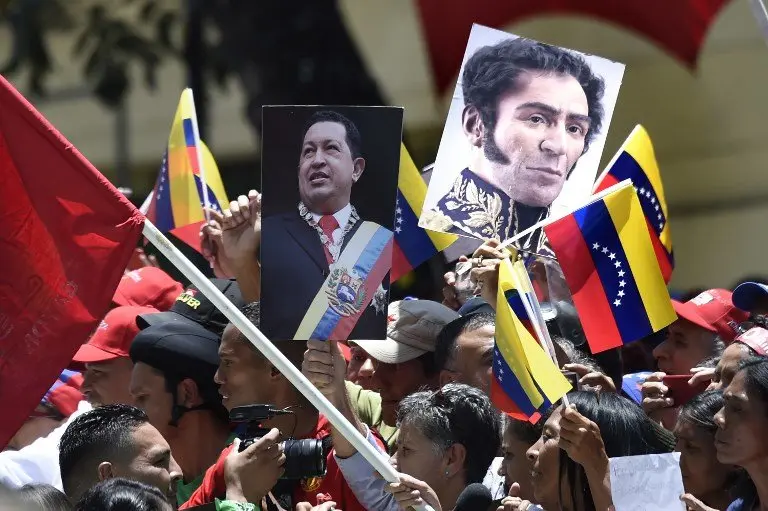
(446, 473)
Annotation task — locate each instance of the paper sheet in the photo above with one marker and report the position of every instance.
(650, 482)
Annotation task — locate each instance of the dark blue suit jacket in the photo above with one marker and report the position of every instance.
(293, 268)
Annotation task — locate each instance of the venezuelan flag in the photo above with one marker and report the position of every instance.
(189, 177)
(413, 245)
(525, 379)
(636, 161)
(606, 255)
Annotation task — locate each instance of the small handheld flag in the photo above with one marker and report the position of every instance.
(636, 160)
(525, 379)
(189, 179)
(413, 245)
(606, 255)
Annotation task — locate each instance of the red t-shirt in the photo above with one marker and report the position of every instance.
(332, 485)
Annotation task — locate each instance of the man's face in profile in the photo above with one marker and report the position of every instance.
(539, 135)
(327, 168)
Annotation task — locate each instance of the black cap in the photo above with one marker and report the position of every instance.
(192, 306)
(475, 305)
(180, 349)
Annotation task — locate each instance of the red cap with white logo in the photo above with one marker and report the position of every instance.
(713, 310)
(756, 338)
(147, 287)
(112, 339)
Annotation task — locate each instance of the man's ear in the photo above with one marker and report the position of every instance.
(188, 394)
(359, 164)
(446, 377)
(473, 126)
(105, 471)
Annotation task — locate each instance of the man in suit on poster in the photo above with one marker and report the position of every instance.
(303, 247)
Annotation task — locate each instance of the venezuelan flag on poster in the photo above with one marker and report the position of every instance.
(525, 379)
(413, 245)
(636, 161)
(185, 182)
(606, 255)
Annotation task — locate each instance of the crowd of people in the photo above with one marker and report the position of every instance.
(169, 406)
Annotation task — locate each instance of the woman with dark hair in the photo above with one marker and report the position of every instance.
(742, 422)
(752, 343)
(705, 479)
(119, 494)
(570, 460)
(518, 437)
(44, 497)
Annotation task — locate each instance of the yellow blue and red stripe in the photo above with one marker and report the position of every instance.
(636, 160)
(606, 255)
(525, 379)
(350, 286)
(413, 245)
(178, 196)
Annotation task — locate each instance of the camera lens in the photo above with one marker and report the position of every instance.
(303, 458)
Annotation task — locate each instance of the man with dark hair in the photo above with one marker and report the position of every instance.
(246, 377)
(118, 441)
(172, 381)
(306, 244)
(464, 351)
(115, 441)
(530, 112)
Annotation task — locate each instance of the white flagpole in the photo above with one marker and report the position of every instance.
(761, 16)
(286, 368)
(145, 205)
(198, 150)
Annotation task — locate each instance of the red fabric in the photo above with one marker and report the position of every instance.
(147, 287)
(588, 293)
(328, 224)
(678, 27)
(333, 487)
(189, 234)
(400, 263)
(66, 235)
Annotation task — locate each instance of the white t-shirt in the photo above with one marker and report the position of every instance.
(38, 463)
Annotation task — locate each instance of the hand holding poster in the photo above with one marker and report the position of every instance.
(329, 178)
(524, 135)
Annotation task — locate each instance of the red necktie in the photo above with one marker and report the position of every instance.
(328, 224)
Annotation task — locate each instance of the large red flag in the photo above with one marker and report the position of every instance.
(66, 235)
(679, 27)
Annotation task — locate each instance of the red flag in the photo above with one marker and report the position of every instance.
(66, 235)
(678, 27)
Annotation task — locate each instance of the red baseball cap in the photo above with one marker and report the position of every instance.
(756, 338)
(713, 310)
(112, 339)
(147, 287)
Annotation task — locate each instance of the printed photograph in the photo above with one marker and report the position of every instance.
(523, 138)
(329, 184)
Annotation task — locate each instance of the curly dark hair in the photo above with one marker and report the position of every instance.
(456, 414)
(493, 70)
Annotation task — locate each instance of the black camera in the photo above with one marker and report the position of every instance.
(303, 458)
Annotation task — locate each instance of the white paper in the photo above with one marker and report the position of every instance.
(650, 482)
